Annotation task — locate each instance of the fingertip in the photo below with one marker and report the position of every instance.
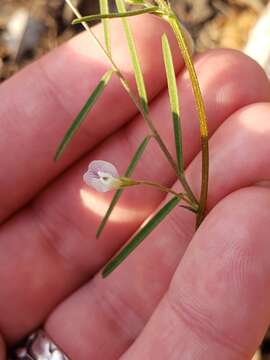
(223, 277)
(229, 81)
(233, 79)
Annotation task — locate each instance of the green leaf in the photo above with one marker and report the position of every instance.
(140, 236)
(128, 173)
(83, 113)
(174, 101)
(180, 36)
(134, 57)
(104, 10)
(120, 14)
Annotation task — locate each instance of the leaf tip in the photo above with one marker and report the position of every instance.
(57, 156)
(164, 37)
(105, 273)
(58, 153)
(109, 268)
(98, 233)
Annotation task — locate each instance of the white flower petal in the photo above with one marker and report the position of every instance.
(103, 166)
(96, 183)
(101, 175)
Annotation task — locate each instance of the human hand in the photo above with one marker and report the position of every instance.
(180, 295)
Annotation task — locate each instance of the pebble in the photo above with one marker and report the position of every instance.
(23, 33)
(258, 46)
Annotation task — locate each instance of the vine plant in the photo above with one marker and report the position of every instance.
(104, 176)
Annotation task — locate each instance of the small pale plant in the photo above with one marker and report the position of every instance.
(103, 176)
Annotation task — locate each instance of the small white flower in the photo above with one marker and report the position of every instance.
(102, 176)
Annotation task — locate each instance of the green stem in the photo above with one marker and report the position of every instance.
(201, 112)
(153, 9)
(137, 103)
(170, 159)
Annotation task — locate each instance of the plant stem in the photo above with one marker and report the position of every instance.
(200, 108)
(162, 188)
(115, 15)
(137, 103)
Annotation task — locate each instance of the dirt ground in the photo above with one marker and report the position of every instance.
(44, 24)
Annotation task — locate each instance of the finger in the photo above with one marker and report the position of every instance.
(62, 249)
(219, 290)
(237, 143)
(117, 307)
(39, 104)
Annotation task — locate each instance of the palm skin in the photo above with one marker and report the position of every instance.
(180, 295)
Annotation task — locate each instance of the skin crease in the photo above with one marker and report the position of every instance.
(127, 287)
(113, 312)
(193, 319)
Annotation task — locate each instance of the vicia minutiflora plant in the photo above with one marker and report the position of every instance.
(102, 175)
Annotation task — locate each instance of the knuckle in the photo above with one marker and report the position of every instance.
(118, 310)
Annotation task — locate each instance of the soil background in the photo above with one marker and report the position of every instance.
(28, 29)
